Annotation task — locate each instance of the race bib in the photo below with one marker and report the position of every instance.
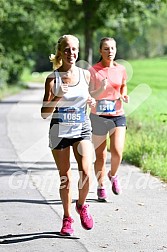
(71, 115)
(106, 107)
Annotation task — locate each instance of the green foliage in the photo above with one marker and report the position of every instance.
(30, 28)
(149, 41)
(105, 17)
(26, 31)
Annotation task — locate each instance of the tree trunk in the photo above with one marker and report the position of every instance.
(88, 29)
(88, 46)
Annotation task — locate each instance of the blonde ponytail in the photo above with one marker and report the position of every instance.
(56, 60)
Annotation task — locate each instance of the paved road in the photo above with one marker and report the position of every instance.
(30, 206)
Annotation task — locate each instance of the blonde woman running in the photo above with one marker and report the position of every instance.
(66, 98)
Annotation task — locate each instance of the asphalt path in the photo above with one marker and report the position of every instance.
(30, 206)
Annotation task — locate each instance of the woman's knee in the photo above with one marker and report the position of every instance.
(101, 157)
(116, 154)
(65, 181)
(84, 173)
(84, 179)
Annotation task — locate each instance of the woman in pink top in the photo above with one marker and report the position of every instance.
(108, 87)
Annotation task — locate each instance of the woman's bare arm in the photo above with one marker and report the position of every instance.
(49, 100)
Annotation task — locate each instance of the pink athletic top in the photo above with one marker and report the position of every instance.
(116, 75)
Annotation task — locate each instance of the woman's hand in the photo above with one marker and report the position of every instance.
(125, 98)
(63, 89)
(104, 84)
(91, 101)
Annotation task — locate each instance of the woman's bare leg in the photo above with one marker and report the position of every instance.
(65, 177)
(117, 140)
(83, 152)
(101, 156)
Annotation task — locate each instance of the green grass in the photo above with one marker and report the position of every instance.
(146, 135)
(27, 76)
(33, 77)
(153, 73)
(6, 90)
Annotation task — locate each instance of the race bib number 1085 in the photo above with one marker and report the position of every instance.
(72, 115)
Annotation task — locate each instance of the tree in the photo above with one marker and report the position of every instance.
(29, 28)
(89, 16)
(25, 31)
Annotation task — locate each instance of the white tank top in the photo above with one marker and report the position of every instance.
(72, 106)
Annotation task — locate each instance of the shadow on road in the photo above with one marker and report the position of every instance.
(47, 202)
(10, 238)
(20, 101)
(8, 168)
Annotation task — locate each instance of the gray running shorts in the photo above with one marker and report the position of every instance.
(101, 125)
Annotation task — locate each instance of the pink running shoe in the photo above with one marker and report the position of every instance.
(66, 228)
(101, 194)
(86, 218)
(116, 187)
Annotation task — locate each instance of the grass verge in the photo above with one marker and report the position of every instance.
(146, 135)
(8, 90)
